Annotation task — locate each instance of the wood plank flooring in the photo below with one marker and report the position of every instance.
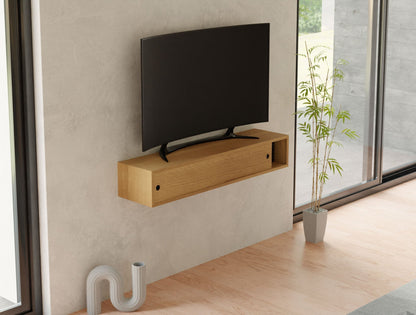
(369, 250)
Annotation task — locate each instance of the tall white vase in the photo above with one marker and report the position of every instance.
(103, 272)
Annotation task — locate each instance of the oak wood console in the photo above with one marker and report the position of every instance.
(151, 181)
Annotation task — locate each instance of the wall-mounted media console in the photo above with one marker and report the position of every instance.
(151, 181)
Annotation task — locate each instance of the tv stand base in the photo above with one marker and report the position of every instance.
(229, 134)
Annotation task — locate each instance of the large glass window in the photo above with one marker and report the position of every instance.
(9, 254)
(399, 141)
(377, 38)
(346, 28)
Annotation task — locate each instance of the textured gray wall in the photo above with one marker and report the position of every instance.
(350, 43)
(90, 53)
(400, 96)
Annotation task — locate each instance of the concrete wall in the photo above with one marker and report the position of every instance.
(400, 96)
(350, 43)
(91, 92)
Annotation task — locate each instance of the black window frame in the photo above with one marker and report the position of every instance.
(21, 61)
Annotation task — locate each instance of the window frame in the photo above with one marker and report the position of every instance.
(377, 53)
(19, 25)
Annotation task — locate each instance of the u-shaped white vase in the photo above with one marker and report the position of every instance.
(121, 303)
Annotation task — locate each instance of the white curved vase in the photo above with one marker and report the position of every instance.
(103, 272)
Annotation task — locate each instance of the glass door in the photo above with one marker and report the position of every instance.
(9, 253)
(348, 29)
(399, 140)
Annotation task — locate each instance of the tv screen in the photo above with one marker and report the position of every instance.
(204, 80)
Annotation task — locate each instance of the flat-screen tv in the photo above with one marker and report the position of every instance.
(203, 80)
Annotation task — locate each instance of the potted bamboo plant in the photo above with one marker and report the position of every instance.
(322, 120)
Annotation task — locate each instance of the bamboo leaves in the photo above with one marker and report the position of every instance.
(334, 166)
(350, 133)
(321, 117)
(343, 115)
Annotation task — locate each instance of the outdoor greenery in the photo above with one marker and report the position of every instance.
(310, 15)
(322, 118)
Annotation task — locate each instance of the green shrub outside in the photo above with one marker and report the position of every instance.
(310, 16)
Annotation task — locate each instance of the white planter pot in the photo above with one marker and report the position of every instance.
(314, 225)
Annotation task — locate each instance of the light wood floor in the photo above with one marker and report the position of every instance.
(369, 250)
